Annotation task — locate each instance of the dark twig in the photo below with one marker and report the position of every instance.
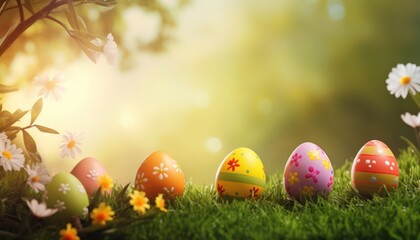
(22, 17)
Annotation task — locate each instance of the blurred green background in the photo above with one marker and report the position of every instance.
(268, 75)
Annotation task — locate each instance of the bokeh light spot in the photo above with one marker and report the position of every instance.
(213, 144)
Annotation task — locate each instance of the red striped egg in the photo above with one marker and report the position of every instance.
(374, 169)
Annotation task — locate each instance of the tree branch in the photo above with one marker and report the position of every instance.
(27, 23)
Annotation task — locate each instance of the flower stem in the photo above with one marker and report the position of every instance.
(416, 99)
(416, 131)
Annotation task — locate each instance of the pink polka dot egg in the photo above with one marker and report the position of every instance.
(308, 173)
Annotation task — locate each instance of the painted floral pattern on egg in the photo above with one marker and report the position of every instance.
(241, 175)
(160, 174)
(87, 171)
(308, 172)
(64, 194)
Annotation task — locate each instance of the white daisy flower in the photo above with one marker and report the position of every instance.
(11, 157)
(411, 120)
(40, 209)
(37, 177)
(70, 145)
(111, 50)
(161, 171)
(404, 78)
(3, 137)
(50, 87)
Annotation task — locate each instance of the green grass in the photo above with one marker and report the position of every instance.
(201, 214)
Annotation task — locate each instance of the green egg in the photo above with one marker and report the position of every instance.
(67, 194)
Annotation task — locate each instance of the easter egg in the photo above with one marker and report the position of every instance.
(87, 171)
(308, 173)
(67, 194)
(374, 169)
(160, 174)
(241, 175)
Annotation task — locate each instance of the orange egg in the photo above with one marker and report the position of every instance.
(159, 173)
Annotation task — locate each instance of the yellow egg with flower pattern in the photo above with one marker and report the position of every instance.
(241, 175)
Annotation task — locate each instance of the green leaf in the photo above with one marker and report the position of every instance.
(36, 110)
(2, 209)
(70, 20)
(410, 144)
(86, 40)
(46, 129)
(3, 6)
(7, 89)
(82, 23)
(29, 142)
(89, 53)
(95, 200)
(73, 15)
(7, 235)
(5, 114)
(16, 116)
(11, 132)
(122, 194)
(105, 3)
(35, 157)
(28, 5)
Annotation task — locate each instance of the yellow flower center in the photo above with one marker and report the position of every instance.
(101, 216)
(106, 182)
(35, 179)
(71, 144)
(139, 202)
(50, 85)
(69, 233)
(69, 236)
(7, 155)
(405, 80)
(161, 170)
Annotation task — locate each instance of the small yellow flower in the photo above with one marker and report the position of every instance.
(314, 155)
(69, 233)
(326, 164)
(106, 183)
(160, 203)
(102, 214)
(139, 201)
(293, 178)
(308, 191)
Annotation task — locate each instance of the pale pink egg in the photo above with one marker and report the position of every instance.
(87, 171)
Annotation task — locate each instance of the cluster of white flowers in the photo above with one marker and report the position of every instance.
(404, 80)
(109, 50)
(11, 157)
